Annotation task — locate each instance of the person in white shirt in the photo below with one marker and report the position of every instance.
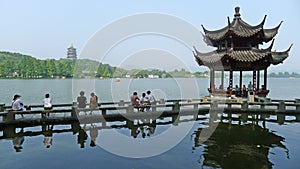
(151, 100)
(47, 102)
(151, 97)
(17, 104)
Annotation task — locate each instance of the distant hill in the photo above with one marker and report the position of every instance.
(16, 65)
(11, 56)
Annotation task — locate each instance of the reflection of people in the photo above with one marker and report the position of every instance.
(135, 131)
(81, 100)
(18, 141)
(48, 137)
(17, 104)
(93, 135)
(81, 138)
(142, 130)
(151, 130)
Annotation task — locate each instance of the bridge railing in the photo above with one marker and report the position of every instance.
(71, 110)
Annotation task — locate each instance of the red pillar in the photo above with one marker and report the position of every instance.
(212, 80)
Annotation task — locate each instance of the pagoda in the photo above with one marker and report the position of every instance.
(71, 52)
(238, 50)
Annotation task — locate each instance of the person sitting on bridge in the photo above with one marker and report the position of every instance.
(244, 91)
(237, 90)
(262, 89)
(134, 99)
(150, 97)
(17, 104)
(151, 100)
(81, 100)
(93, 102)
(47, 103)
(143, 101)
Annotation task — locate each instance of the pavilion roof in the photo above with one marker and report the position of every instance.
(241, 29)
(242, 55)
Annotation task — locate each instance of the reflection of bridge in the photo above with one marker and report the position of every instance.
(249, 141)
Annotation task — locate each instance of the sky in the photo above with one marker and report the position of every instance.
(45, 29)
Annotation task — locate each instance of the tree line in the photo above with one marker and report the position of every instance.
(15, 65)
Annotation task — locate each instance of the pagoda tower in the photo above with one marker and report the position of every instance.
(238, 50)
(71, 52)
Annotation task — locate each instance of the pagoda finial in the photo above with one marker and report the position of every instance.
(228, 20)
(237, 12)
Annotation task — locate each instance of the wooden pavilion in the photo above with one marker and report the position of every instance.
(238, 50)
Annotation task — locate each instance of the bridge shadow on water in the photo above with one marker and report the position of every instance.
(238, 141)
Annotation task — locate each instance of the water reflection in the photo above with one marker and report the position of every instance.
(143, 129)
(238, 146)
(18, 141)
(93, 135)
(236, 142)
(47, 132)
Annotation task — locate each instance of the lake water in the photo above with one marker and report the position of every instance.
(231, 145)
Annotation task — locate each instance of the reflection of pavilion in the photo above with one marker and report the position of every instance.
(238, 146)
(238, 50)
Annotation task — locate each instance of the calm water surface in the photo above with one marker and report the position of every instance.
(232, 145)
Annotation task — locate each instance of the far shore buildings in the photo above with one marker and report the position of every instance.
(71, 52)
